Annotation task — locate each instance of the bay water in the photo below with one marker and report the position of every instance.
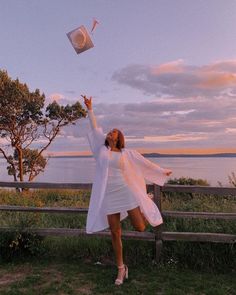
(81, 169)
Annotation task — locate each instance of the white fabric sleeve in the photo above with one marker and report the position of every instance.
(92, 119)
(96, 137)
(151, 171)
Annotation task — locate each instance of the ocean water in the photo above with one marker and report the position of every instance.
(82, 170)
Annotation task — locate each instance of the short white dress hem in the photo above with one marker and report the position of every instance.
(118, 196)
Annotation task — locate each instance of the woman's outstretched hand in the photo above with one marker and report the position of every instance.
(87, 102)
(168, 172)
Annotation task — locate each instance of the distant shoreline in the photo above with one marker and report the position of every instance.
(157, 155)
(219, 155)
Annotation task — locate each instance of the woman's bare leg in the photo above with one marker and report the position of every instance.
(137, 219)
(115, 227)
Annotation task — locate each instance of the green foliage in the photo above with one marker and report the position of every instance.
(188, 181)
(201, 256)
(66, 113)
(18, 106)
(25, 121)
(184, 197)
(19, 244)
(19, 241)
(33, 163)
(46, 198)
(84, 277)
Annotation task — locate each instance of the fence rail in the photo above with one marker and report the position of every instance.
(159, 235)
(175, 214)
(220, 191)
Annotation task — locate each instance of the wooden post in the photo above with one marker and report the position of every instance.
(158, 229)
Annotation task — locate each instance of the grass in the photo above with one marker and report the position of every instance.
(80, 199)
(42, 198)
(195, 256)
(75, 277)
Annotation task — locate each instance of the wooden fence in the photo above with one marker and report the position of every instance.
(158, 235)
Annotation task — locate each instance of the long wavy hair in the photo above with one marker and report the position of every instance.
(120, 142)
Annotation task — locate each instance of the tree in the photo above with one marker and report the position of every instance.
(25, 121)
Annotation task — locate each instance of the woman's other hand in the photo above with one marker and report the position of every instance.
(87, 102)
(168, 172)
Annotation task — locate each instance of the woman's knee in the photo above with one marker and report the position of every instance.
(116, 232)
(141, 227)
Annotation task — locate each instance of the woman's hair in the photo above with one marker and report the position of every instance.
(120, 142)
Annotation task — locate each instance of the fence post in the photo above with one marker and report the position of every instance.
(158, 229)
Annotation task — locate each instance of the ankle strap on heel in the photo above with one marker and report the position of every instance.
(121, 266)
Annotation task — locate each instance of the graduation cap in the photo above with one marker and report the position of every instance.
(80, 39)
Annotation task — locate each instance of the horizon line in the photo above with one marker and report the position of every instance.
(179, 151)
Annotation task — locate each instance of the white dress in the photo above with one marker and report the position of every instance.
(136, 170)
(118, 196)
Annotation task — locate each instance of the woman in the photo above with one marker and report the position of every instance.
(119, 188)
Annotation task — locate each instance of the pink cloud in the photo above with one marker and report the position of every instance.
(231, 130)
(221, 66)
(170, 67)
(176, 79)
(55, 96)
(213, 80)
(170, 138)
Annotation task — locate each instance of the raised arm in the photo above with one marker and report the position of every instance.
(92, 118)
(96, 137)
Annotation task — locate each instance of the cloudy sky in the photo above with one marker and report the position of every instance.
(162, 71)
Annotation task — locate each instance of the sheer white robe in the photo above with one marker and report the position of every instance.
(137, 169)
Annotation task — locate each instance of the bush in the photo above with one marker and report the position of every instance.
(17, 244)
(188, 181)
(17, 240)
(193, 255)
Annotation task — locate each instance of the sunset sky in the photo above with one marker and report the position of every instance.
(162, 71)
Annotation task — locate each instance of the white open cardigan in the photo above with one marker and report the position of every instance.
(136, 170)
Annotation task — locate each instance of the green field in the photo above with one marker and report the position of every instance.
(85, 265)
(50, 277)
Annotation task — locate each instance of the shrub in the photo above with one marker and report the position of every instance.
(18, 240)
(188, 181)
(17, 243)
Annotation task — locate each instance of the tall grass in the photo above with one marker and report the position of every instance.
(189, 254)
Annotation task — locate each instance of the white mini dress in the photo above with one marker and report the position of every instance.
(118, 196)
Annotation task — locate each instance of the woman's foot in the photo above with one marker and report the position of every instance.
(122, 274)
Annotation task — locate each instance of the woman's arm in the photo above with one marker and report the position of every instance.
(92, 118)
(96, 136)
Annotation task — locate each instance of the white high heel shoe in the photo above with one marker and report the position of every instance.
(125, 276)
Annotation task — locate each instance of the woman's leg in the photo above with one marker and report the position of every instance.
(115, 227)
(137, 218)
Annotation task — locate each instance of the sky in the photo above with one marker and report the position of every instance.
(162, 71)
